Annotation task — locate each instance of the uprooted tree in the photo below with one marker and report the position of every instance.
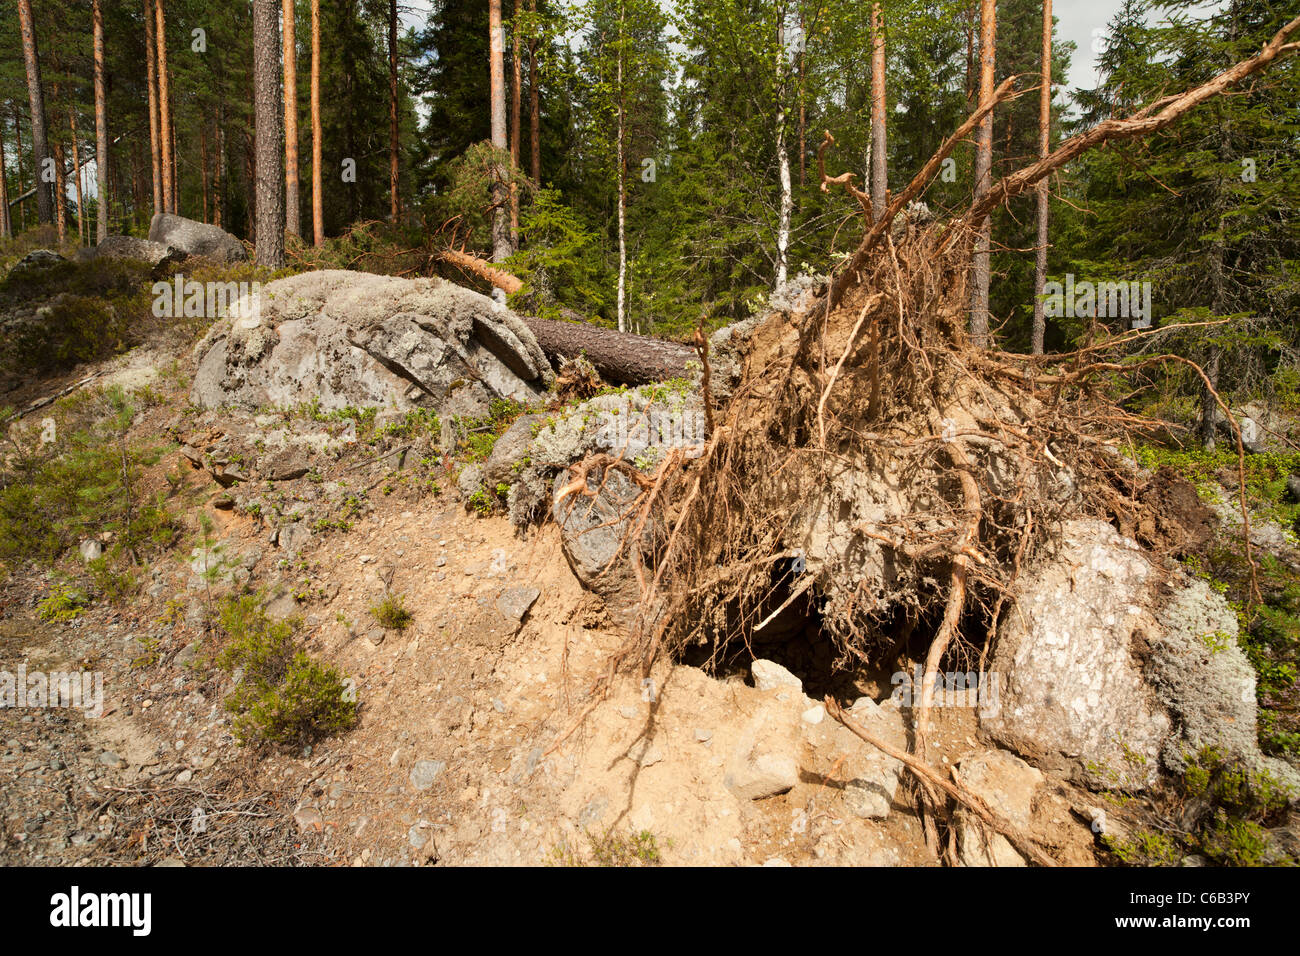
(911, 474)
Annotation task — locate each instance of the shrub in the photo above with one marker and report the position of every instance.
(392, 612)
(285, 696)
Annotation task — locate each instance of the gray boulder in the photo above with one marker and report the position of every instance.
(353, 339)
(157, 254)
(591, 534)
(1111, 667)
(37, 259)
(196, 238)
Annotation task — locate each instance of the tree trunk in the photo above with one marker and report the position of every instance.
(203, 165)
(1044, 147)
(979, 293)
(101, 127)
(155, 137)
(176, 169)
(268, 117)
(501, 248)
(534, 104)
(803, 109)
(618, 356)
(394, 136)
(219, 170)
(317, 202)
(516, 101)
(292, 217)
(60, 189)
(36, 99)
(76, 166)
(622, 186)
(6, 227)
(782, 157)
(18, 145)
(164, 110)
(879, 159)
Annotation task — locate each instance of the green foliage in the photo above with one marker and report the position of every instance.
(392, 612)
(284, 696)
(64, 603)
(85, 482)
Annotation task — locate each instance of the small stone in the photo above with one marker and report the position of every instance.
(769, 675)
(110, 759)
(644, 753)
(426, 772)
(308, 818)
(514, 603)
(91, 550)
(814, 715)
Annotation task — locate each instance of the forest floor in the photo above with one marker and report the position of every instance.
(460, 754)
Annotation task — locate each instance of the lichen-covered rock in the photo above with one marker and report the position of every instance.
(639, 424)
(196, 238)
(352, 339)
(1111, 667)
(157, 254)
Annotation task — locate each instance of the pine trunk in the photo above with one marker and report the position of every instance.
(36, 100)
(394, 134)
(268, 117)
(155, 139)
(6, 227)
(164, 110)
(317, 202)
(516, 103)
(101, 128)
(534, 105)
(76, 168)
(292, 217)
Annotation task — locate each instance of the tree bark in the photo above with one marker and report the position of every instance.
(6, 227)
(164, 109)
(60, 189)
(203, 165)
(622, 186)
(516, 100)
(879, 159)
(501, 247)
(268, 117)
(782, 157)
(151, 74)
(394, 135)
(292, 216)
(103, 198)
(534, 104)
(18, 145)
(979, 293)
(317, 201)
(1044, 147)
(618, 356)
(36, 100)
(76, 167)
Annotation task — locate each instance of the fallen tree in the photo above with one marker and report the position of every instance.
(910, 474)
(620, 357)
